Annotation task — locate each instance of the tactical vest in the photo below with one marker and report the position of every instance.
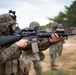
(13, 67)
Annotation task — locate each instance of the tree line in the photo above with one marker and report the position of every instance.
(67, 18)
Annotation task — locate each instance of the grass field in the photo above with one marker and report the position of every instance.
(66, 63)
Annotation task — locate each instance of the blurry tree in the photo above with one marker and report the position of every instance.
(71, 14)
(68, 18)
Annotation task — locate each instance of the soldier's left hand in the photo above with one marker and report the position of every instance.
(55, 38)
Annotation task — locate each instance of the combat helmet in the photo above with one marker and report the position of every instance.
(60, 27)
(34, 25)
(54, 26)
(6, 20)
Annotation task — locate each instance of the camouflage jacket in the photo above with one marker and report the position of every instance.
(6, 54)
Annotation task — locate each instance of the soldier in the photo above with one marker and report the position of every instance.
(30, 56)
(60, 44)
(55, 48)
(7, 53)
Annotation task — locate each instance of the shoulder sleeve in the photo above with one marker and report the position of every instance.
(7, 53)
(44, 45)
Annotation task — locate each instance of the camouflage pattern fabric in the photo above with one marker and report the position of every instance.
(5, 21)
(7, 53)
(60, 44)
(28, 59)
(28, 56)
(54, 26)
(11, 57)
(53, 51)
(9, 62)
(13, 49)
(56, 48)
(17, 53)
(60, 47)
(13, 67)
(42, 45)
(34, 24)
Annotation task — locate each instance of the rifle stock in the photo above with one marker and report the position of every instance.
(8, 39)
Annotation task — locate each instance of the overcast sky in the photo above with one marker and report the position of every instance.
(34, 10)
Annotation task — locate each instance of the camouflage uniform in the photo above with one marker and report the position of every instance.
(43, 44)
(55, 48)
(60, 45)
(9, 54)
(53, 52)
(30, 56)
(6, 54)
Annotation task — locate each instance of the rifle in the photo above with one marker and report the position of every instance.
(32, 36)
(29, 33)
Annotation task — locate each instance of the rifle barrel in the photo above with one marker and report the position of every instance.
(48, 34)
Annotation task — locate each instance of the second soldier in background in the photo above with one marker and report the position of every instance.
(57, 47)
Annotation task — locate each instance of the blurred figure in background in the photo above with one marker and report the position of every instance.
(57, 47)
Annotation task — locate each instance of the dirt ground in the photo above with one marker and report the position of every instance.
(66, 61)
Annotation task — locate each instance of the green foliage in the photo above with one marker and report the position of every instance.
(59, 72)
(68, 18)
(71, 14)
(50, 73)
(53, 72)
(60, 17)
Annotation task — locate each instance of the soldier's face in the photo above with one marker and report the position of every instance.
(13, 27)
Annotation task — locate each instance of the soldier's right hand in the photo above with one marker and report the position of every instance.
(22, 43)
